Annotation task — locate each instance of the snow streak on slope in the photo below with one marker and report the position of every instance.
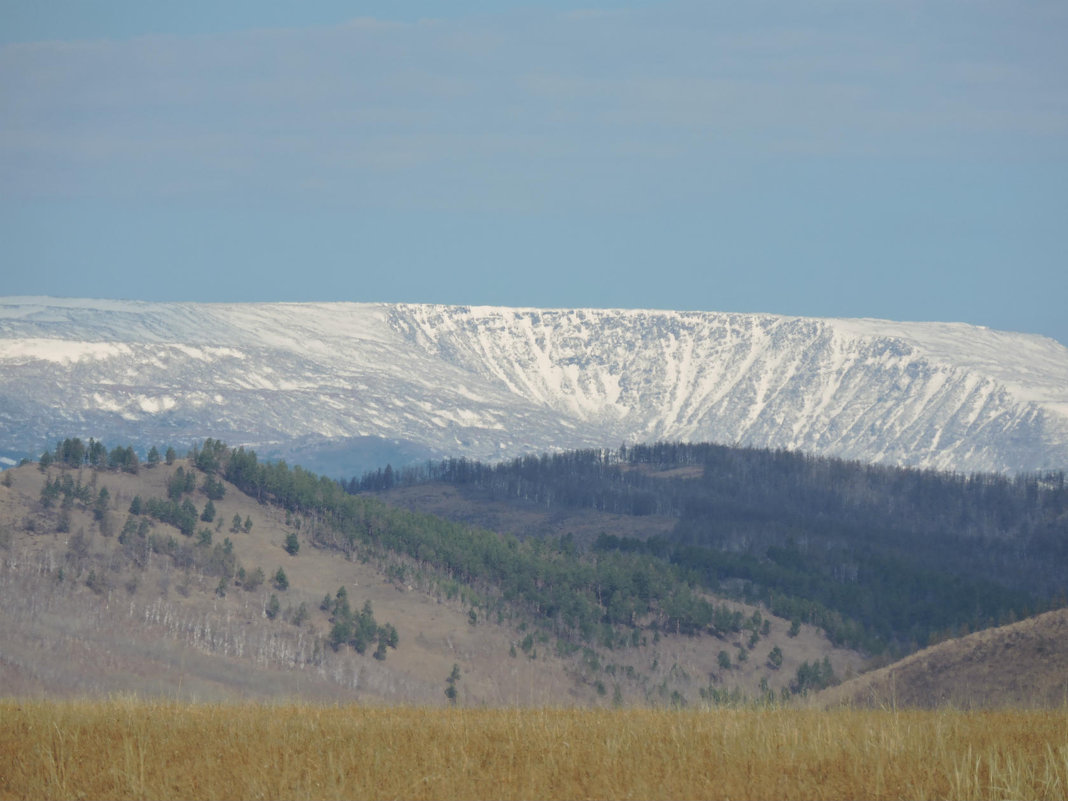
(921, 394)
(495, 382)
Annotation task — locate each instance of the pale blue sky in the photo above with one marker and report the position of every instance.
(875, 158)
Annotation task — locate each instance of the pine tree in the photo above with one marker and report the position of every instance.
(292, 545)
(101, 505)
(254, 579)
(450, 683)
(775, 658)
(281, 580)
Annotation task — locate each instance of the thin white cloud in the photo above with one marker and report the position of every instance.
(380, 111)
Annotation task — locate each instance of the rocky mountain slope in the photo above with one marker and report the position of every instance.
(342, 387)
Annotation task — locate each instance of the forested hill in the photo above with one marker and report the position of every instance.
(879, 556)
(220, 561)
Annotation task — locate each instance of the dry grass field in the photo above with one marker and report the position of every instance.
(124, 748)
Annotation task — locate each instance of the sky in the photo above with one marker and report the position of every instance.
(864, 158)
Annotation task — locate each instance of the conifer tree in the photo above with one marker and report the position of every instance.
(450, 683)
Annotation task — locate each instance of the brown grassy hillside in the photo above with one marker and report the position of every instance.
(1024, 664)
(84, 617)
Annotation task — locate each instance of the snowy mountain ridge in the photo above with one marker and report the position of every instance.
(304, 379)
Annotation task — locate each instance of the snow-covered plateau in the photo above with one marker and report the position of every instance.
(342, 386)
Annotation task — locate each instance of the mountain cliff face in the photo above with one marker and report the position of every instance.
(322, 383)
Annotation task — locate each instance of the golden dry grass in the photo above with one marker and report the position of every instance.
(125, 748)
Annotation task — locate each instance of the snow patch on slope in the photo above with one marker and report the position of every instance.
(58, 350)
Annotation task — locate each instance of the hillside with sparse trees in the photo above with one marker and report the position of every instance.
(663, 574)
(218, 575)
